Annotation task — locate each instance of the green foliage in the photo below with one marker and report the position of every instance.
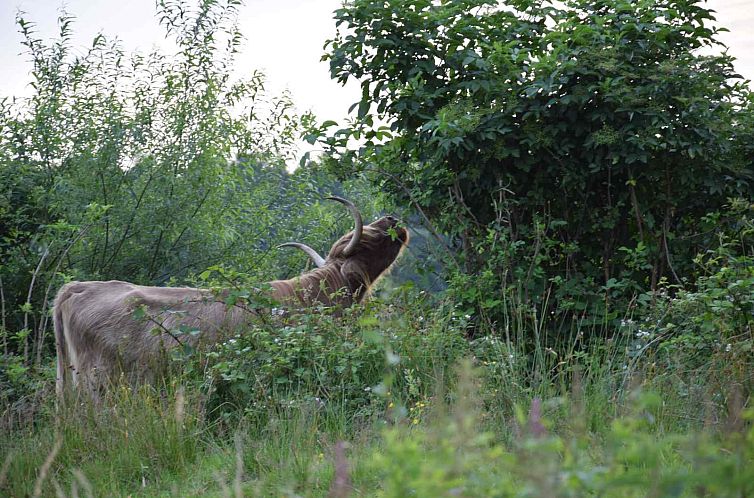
(451, 436)
(589, 170)
(146, 138)
(141, 437)
(451, 458)
(708, 332)
(567, 145)
(318, 360)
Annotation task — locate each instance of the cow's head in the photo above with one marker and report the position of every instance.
(364, 254)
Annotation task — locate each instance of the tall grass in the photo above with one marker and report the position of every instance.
(420, 409)
(134, 437)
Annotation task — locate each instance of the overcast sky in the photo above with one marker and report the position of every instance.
(283, 37)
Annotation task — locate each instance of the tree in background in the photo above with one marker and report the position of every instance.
(570, 147)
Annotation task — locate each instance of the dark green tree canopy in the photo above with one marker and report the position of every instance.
(597, 126)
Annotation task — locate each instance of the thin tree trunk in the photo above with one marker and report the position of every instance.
(28, 302)
(2, 315)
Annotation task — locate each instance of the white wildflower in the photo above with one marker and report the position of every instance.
(642, 334)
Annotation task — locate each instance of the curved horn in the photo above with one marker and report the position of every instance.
(318, 260)
(359, 225)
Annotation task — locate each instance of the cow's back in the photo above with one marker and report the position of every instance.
(104, 333)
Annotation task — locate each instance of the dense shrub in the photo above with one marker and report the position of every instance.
(452, 457)
(515, 419)
(570, 148)
(703, 336)
(320, 359)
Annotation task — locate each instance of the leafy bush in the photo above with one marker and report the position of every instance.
(702, 337)
(581, 141)
(453, 457)
(265, 409)
(320, 359)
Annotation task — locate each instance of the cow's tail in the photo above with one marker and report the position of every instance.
(61, 348)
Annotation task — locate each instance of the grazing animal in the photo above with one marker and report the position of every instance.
(103, 329)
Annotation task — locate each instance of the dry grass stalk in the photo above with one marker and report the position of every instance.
(46, 467)
(85, 484)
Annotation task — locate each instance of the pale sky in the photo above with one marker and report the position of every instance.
(283, 37)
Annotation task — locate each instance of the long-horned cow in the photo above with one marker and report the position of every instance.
(104, 329)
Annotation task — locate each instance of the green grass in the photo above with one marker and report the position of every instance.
(423, 412)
